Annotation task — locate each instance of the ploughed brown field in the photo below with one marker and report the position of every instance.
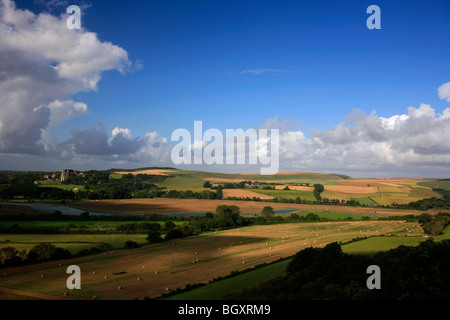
(172, 205)
(155, 269)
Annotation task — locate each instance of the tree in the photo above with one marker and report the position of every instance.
(318, 189)
(228, 216)
(227, 212)
(169, 225)
(268, 211)
(61, 253)
(7, 253)
(84, 214)
(174, 234)
(154, 236)
(207, 184)
(131, 244)
(44, 251)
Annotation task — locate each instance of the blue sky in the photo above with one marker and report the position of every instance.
(335, 64)
(236, 64)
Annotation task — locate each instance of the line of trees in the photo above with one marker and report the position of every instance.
(10, 256)
(434, 225)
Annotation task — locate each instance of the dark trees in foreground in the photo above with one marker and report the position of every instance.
(407, 273)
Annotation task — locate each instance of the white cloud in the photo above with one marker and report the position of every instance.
(61, 111)
(444, 91)
(259, 71)
(125, 132)
(43, 64)
(366, 145)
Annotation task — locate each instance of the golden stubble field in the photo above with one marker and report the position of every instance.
(155, 269)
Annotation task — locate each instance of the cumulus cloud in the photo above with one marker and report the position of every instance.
(96, 142)
(43, 64)
(368, 143)
(444, 91)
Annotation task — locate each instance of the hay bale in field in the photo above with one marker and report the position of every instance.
(156, 272)
(120, 288)
(42, 276)
(139, 279)
(94, 272)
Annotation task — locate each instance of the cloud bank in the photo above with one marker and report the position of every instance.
(43, 65)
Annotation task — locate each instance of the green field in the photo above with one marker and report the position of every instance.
(183, 182)
(216, 290)
(58, 184)
(364, 200)
(442, 184)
